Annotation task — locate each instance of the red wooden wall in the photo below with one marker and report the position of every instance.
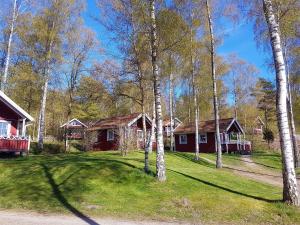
(190, 146)
(103, 145)
(9, 115)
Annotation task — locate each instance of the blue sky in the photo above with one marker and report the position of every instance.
(238, 39)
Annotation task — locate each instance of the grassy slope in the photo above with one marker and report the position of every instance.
(106, 184)
(267, 159)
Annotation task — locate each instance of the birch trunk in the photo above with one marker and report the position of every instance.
(293, 129)
(7, 60)
(290, 189)
(145, 138)
(196, 111)
(291, 115)
(215, 97)
(194, 97)
(152, 137)
(171, 93)
(160, 159)
(41, 128)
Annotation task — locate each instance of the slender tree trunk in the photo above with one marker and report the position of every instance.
(235, 99)
(160, 159)
(290, 189)
(152, 137)
(145, 139)
(41, 128)
(291, 113)
(215, 94)
(194, 90)
(189, 99)
(293, 129)
(7, 60)
(171, 92)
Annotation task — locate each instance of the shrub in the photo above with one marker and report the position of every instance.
(268, 136)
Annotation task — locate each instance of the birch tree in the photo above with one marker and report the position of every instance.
(126, 21)
(160, 159)
(50, 25)
(12, 24)
(290, 189)
(215, 97)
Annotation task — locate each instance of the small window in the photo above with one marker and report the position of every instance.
(110, 135)
(202, 138)
(140, 135)
(183, 139)
(4, 128)
(233, 136)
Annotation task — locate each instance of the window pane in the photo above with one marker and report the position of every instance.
(3, 128)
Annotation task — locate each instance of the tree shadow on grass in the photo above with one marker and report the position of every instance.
(225, 189)
(257, 163)
(57, 193)
(247, 171)
(191, 158)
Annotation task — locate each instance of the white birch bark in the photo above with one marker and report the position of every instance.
(152, 137)
(215, 97)
(41, 128)
(146, 168)
(291, 114)
(7, 60)
(160, 159)
(171, 93)
(194, 96)
(290, 189)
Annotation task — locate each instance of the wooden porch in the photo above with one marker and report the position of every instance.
(15, 144)
(238, 144)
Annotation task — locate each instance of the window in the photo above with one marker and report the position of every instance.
(183, 139)
(110, 135)
(4, 128)
(140, 135)
(203, 138)
(233, 136)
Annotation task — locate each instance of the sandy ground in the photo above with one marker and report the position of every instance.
(32, 218)
(255, 171)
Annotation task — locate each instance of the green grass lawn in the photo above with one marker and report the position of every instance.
(268, 160)
(229, 159)
(106, 184)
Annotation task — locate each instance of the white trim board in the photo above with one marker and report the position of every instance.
(232, 122)
(12, 105)
(137, 118)
(74, 119)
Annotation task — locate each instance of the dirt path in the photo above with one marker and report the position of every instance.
(32, 218)
(255, 171)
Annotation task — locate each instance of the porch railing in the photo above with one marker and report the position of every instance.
(14, 144)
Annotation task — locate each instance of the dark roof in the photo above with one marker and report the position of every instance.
(204, 126)
(113, 122)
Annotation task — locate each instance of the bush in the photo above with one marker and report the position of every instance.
(49, 148)
(268, 136)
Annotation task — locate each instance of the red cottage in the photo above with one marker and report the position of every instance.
(13, 123)
(232, 137)
(112, 132)
(74, 129)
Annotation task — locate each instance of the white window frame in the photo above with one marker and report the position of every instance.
(142, 135)
(180, 142)
(108, 138)
(8, 127)
(199, 138)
